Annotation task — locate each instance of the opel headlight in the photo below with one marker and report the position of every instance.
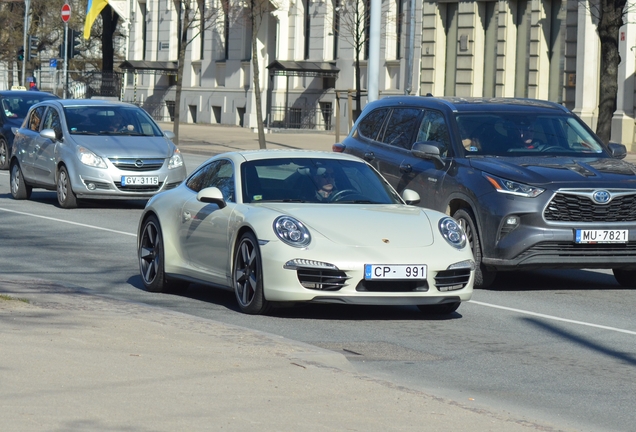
(292, 231)
(452, 232)
(176, 160)
(513, 187)
(89, 158)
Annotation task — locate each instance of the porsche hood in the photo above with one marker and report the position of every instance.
(364, 225)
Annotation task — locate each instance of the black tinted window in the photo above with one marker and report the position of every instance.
(371, 124)
(402, 126)
(434, 128)
(218, 174)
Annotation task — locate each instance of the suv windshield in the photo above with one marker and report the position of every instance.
(511, 134)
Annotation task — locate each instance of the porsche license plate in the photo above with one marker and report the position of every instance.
(139, 181)
(395, 272)
(602, 236)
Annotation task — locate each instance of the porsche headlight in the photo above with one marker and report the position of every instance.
(513, 187)
(89, 158)
(176, 160)
(292, 231)
(452, 232)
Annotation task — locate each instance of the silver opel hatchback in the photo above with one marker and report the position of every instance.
(93, 149)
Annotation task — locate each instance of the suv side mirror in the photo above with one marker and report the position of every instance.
(429, 150)
(618, 151)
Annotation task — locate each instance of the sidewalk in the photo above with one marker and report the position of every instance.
(72, 361)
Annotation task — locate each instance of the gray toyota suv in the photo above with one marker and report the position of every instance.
(530, 183)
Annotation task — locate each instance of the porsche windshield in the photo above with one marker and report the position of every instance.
(314, 180)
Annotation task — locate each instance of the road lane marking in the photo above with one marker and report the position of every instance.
(68, 222)
(554, 318)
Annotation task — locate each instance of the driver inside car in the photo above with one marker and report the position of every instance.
(325, 184)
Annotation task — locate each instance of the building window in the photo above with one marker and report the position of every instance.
(337, 14)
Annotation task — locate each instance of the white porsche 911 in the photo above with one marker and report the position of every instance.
(299, 226)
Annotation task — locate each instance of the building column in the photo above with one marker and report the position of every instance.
(507, 46)
(623, 119)
(587, 67)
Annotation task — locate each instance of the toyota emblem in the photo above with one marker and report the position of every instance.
(139, 163)
(601, 197)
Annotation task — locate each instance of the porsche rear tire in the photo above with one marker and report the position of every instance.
(152, 258)
(247, 276)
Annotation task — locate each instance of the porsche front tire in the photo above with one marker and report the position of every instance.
(247, 276)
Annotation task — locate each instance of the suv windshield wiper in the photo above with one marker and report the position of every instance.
(82, 132)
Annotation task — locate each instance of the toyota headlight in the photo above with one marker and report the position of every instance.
(292, 231)
(89, 158)
(176, 160)
(452, 232)
(513, 187)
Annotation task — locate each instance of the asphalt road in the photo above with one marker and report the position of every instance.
(552, 346)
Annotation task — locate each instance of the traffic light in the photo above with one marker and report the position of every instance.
(21, 53)
(74, 41)
(33, 47)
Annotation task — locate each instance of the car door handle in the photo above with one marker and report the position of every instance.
(369, 156)
(186, 216)
(406, 168)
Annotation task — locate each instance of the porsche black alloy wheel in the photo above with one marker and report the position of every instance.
(152, 258)
(247, 276)
(483, 276)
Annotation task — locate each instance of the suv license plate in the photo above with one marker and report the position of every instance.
(394, 272)
(602, 236)
(136, 181)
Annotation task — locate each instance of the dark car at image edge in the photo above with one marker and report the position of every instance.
(15, 105)
(531, 184)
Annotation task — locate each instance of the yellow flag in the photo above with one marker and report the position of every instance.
(92, 10)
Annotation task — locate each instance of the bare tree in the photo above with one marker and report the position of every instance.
(258, 12)
(611, 17)
(194, 19)
(351, 24)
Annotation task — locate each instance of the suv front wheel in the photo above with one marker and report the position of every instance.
(466, 219)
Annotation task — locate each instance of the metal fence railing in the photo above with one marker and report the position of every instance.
(301, 117)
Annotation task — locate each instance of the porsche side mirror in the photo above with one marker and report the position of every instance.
(410, 196)
(212, 195)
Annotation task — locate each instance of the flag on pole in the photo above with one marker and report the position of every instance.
(92, 10)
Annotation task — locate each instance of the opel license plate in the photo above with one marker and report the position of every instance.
(602, 236)
(139, 181)
(394, 272)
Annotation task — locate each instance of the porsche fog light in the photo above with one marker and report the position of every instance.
(452, 232)
(291, 231)
(462, 265)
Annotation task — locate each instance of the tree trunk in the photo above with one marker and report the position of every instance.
(182, 31)
(610, 22)
(256, 17)
(109, 85)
